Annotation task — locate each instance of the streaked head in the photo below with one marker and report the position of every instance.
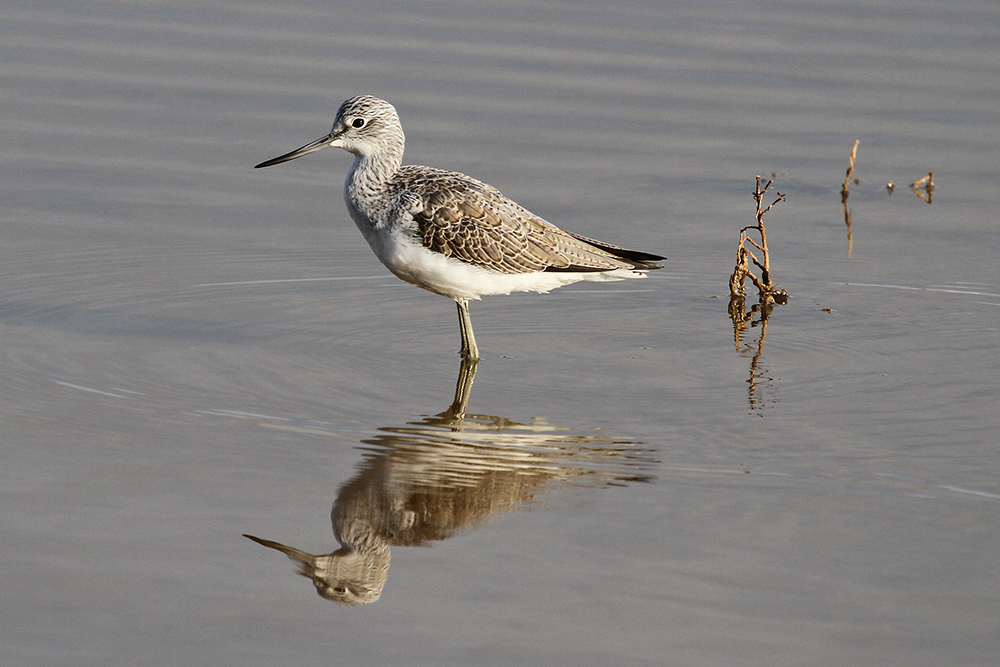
(365, 125)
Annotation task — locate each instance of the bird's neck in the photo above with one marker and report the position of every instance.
(367, 180)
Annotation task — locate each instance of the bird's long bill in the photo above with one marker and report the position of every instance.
(317, 145)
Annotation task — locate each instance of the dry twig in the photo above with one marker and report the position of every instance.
(845, 192)
(768, 294)
(928, 185)
(766, 289)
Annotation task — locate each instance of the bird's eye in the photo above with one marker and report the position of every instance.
(358, 122)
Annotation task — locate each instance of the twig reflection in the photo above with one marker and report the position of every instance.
(760, 383)
(428, 480)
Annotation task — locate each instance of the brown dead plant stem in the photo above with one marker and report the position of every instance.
(927, 182)
(845, 192)
(767, 293)
(745, 257)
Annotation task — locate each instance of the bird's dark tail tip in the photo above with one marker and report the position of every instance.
(641, 261)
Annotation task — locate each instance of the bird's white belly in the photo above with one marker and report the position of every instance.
(415, 264)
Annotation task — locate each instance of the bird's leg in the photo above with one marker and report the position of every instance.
(469, 349)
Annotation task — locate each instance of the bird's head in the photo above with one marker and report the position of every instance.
(365, 125)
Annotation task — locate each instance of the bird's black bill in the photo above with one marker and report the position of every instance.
(317, 145)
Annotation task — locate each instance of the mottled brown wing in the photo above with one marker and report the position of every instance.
(473, 222)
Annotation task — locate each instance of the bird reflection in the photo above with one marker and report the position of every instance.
(428, 480)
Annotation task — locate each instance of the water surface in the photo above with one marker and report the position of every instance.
(193, 351)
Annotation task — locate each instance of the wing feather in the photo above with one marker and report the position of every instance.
(470, 221)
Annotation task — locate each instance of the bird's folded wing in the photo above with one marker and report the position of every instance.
(471, 221)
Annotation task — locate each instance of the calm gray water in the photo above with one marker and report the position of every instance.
(192, 350)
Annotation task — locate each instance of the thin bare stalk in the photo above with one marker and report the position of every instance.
(928, 186)
(845, 191)
(745, 255)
